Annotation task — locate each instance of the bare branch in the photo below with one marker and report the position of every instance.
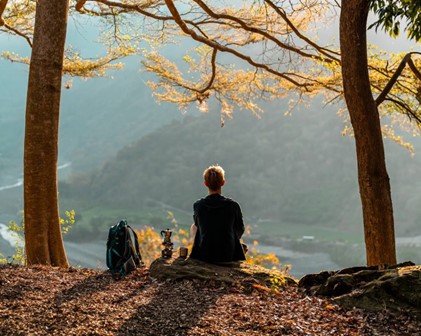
(136, 8)
(411, 114)
(337, 97)
(382, 96)
(130, 7)
(414, 69)
(385, 72)
(326, 52)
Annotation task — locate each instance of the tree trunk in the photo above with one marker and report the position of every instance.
(372, 174)
(43, 239)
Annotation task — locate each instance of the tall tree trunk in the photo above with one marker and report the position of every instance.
(43, 239)
(372, 174)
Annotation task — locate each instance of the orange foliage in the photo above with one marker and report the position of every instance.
(150, 242)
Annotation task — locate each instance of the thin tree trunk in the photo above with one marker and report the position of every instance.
(43, 239)
(372, 174)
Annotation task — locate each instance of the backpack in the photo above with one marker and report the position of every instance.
(123, 254)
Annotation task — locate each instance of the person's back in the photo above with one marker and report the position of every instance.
(218, 223)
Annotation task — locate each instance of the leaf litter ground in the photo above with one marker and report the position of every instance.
(53, 301)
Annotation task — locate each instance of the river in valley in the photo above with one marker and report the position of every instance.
(92, 255)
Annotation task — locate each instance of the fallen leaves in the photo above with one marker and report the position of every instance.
(52, 301)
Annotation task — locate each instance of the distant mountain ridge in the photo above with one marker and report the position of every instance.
(98, 118)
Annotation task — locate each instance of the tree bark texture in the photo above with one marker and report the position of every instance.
(372, 174)
(43, 238)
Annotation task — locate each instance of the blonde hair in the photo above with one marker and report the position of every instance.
(214, 177)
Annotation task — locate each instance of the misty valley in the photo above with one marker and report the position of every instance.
(122, 155)
(294, 176)
(213, 167)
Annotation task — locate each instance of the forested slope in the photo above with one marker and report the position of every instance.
(298, 169)
(295, 169)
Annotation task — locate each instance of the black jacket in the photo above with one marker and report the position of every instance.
(220, 226)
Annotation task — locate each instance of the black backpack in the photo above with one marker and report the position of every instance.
(123, 254)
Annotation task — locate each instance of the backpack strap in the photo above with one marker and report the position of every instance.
(127, 243)
(136, 251)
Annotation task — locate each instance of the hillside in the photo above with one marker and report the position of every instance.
(296, 170)
(98, 117)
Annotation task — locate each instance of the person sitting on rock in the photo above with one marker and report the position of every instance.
(218, 223)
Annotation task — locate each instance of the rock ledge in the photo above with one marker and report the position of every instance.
(396, 288)
(230, 273)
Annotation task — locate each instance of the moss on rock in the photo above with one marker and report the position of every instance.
(396, 288)
(231, 273)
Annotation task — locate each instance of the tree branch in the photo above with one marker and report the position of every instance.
(79, 5)
(201, 92)
(213, 63)
(130, 7)
(323, 51)
(270, 37)
(382, 96)
(409, 112)
(17, 32)
(414, 68)
(136, 8)
(3, 4)
(222, 48)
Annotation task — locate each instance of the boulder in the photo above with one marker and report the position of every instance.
(397, 288)
(230, 273)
